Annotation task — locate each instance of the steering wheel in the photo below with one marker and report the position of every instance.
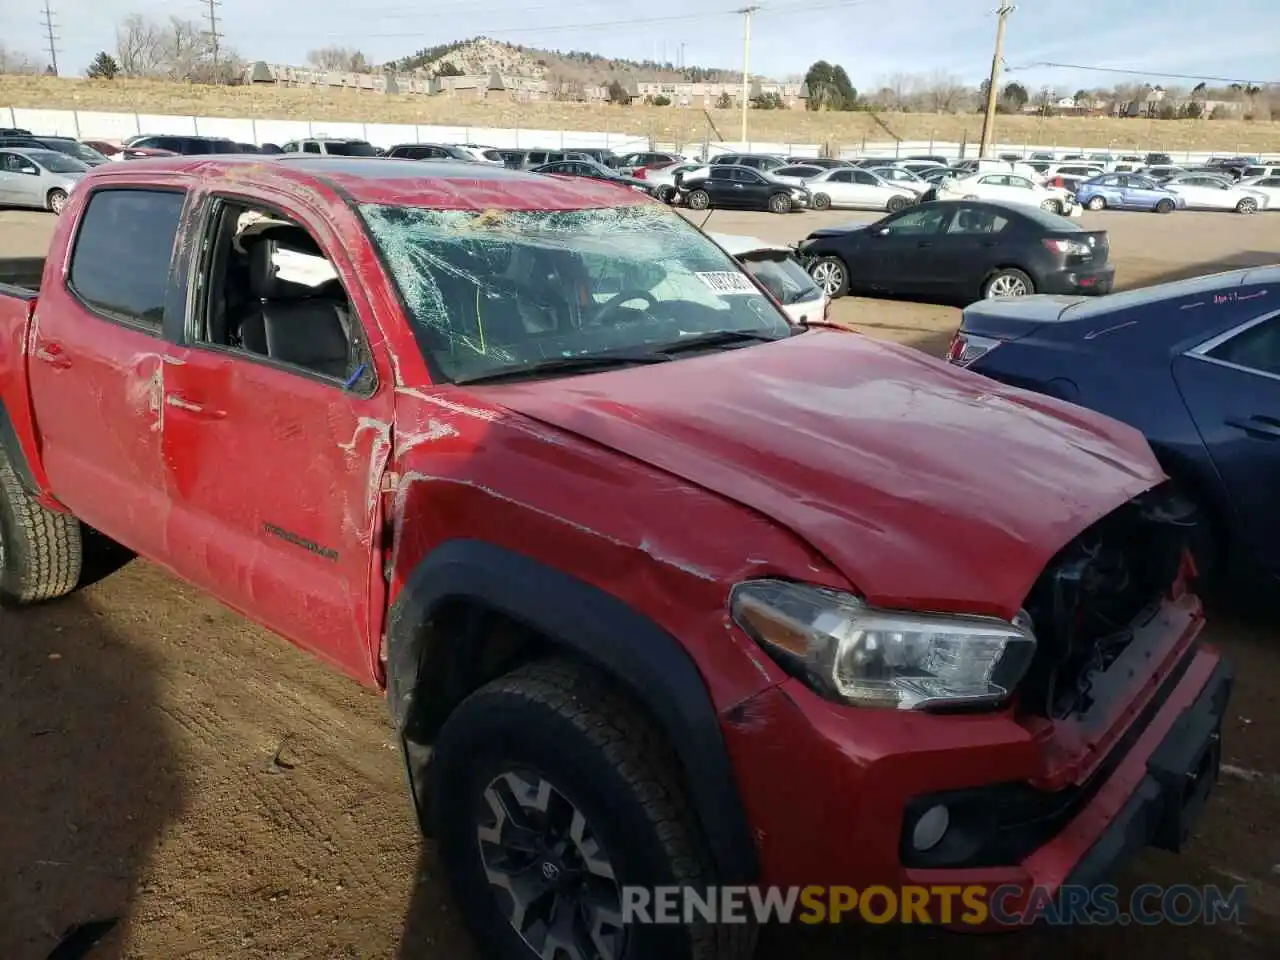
(615, 303)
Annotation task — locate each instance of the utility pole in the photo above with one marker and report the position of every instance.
(993, 88)
(214, 36)
(746, 63)
(53, 46)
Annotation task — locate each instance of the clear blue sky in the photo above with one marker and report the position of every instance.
(1238, 39)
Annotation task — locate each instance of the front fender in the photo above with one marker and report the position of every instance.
(429, 673)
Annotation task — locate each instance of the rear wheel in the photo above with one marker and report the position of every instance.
(1165, 206)
(831, 275)
(40, 550)
(780, 203)
(1052, 206)
(56, 201)
(1247, 205)
(699, 200)
(897, 203)
(666, 193)
(1097, 203)
(552, 795)
(1008, 282)
(821, 201)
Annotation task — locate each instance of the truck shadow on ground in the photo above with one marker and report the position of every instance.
(89, 779)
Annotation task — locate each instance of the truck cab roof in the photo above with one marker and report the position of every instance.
(446, 185)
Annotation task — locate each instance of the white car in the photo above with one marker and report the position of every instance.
(482, 153)
(902, 177)
(852, 188)
(1010, 188)
(779, 272)
(797, 173)
(1269, 185)
(1207, 192)
(666, 180)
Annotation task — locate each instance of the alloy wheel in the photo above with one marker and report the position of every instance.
(1007, 285)
(828, 276)
(548, 871)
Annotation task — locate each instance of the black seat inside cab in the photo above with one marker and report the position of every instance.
(292, 322)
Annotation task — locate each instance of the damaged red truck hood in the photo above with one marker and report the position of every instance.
(925, 485)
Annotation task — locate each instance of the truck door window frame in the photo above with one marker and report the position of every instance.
(154, 328)
(195, 328)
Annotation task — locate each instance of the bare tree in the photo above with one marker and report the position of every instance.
(18, 61)
(339, 58)
(138, 47)
(945, 93)
(176, 50)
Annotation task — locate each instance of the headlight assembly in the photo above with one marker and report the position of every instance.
(867, 657)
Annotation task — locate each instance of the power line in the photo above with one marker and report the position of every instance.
(214, 36)
(48, 29)
(1129, 71)
(798, 6)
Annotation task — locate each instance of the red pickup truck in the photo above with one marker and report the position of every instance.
(663, 590)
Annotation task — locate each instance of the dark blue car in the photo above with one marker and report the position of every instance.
(1194, 365)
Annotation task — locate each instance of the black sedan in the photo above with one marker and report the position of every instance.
(962, 250)
(595, 171)
(1194, 365)
(733, 187)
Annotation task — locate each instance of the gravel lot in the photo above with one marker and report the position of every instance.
(169, 764)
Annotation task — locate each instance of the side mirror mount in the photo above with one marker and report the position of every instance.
(884, 231)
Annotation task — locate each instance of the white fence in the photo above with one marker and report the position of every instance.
(92, 125)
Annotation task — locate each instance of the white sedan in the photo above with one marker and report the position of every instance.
(1206, 192)
(902, 177)
(852, 188)
(1010, 188)
(1268, 185)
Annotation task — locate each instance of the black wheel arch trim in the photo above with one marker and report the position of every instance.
(427, 676)
(12, 447)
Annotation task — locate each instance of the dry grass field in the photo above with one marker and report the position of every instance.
(666, 124)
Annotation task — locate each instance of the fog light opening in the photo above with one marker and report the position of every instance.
(931, 828)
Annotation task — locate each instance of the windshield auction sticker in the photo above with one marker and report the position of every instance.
(727, 283)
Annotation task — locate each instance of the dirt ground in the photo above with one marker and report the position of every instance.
(166, 763)
(664, 124)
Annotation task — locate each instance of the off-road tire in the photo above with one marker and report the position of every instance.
(566, 723)
(40, 550)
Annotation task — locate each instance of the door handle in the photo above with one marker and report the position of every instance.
(54, 355)
(1264, 428)
(188, 406)
(925, 243)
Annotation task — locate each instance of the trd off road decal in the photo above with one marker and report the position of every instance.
(727, 283)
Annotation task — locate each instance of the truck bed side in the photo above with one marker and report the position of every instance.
(19, 285)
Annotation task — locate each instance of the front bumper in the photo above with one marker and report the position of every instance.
(830, 790)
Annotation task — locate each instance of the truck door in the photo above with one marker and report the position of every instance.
(98, 365)
(277, 433)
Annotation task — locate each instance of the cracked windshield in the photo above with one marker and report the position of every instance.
(504, 293)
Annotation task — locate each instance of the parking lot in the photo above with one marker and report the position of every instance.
(171, 765)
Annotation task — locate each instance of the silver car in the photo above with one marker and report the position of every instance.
(38, 178)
